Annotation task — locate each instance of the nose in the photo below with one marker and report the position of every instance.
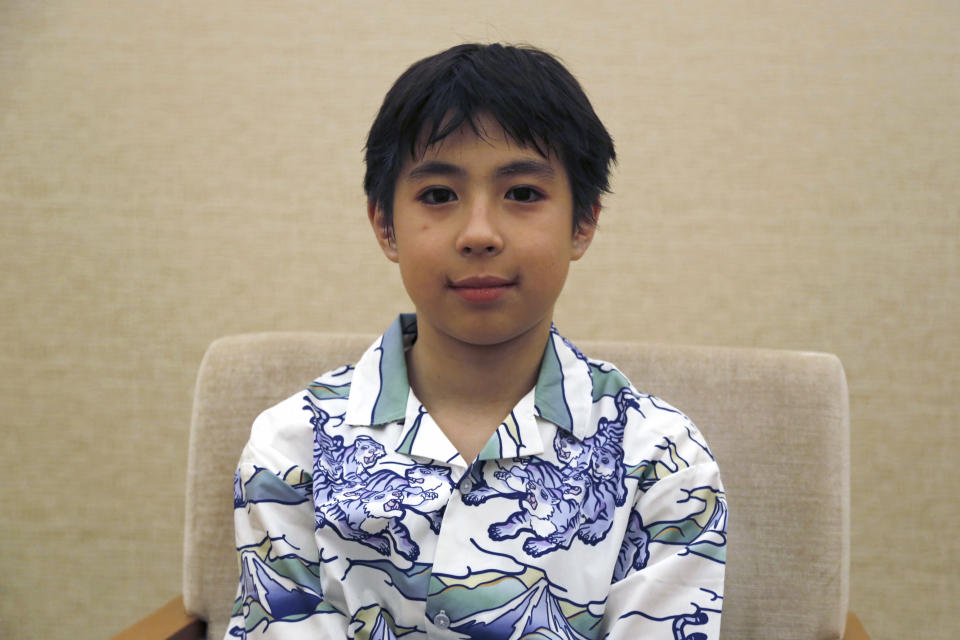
(480, 234)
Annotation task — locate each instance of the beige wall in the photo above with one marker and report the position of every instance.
(172, 172)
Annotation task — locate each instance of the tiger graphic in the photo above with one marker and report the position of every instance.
(576, 497)
(366, 504)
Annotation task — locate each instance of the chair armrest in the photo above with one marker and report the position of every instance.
(171, 622)
(855, 630)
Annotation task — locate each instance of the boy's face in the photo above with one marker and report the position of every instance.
(483, 233)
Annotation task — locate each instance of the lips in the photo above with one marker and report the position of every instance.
(482, 288)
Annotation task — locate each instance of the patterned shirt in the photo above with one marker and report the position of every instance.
(594, 511)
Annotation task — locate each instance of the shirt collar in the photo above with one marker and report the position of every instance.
(380, 388)
(564, 393)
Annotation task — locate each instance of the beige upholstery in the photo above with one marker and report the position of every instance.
(777, 421)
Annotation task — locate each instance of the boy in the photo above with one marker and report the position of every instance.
(476, 476)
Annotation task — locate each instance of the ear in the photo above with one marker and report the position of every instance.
(583, 235)
(384, 235)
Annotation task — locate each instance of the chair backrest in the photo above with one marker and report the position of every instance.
(777, 422)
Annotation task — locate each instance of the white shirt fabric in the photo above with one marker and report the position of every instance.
(594, 511)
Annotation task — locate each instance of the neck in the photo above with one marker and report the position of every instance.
(447, 373)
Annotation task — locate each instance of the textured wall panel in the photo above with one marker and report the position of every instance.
(173, 172)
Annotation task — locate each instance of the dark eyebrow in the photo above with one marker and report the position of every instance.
(436, 169)
(526, 167)
(520, 167)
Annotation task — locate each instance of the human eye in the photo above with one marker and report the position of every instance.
(524, 194)
(437, 195)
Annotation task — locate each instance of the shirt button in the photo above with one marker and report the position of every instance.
(442, 620)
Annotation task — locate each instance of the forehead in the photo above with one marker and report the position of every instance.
(481, 137)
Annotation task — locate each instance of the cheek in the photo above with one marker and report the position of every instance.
(542, 253)
(553, 268)
(419, 236)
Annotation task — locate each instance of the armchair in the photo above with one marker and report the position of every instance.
(777, 422)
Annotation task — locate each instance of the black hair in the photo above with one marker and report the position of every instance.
(533, 97)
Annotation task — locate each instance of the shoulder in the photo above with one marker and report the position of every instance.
(652, 427)
(286, 430)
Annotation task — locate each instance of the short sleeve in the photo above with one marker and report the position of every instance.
(281, 588)
(668, 581)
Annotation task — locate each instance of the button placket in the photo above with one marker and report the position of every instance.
(448, 559)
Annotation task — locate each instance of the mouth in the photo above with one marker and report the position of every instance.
(482, 288)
